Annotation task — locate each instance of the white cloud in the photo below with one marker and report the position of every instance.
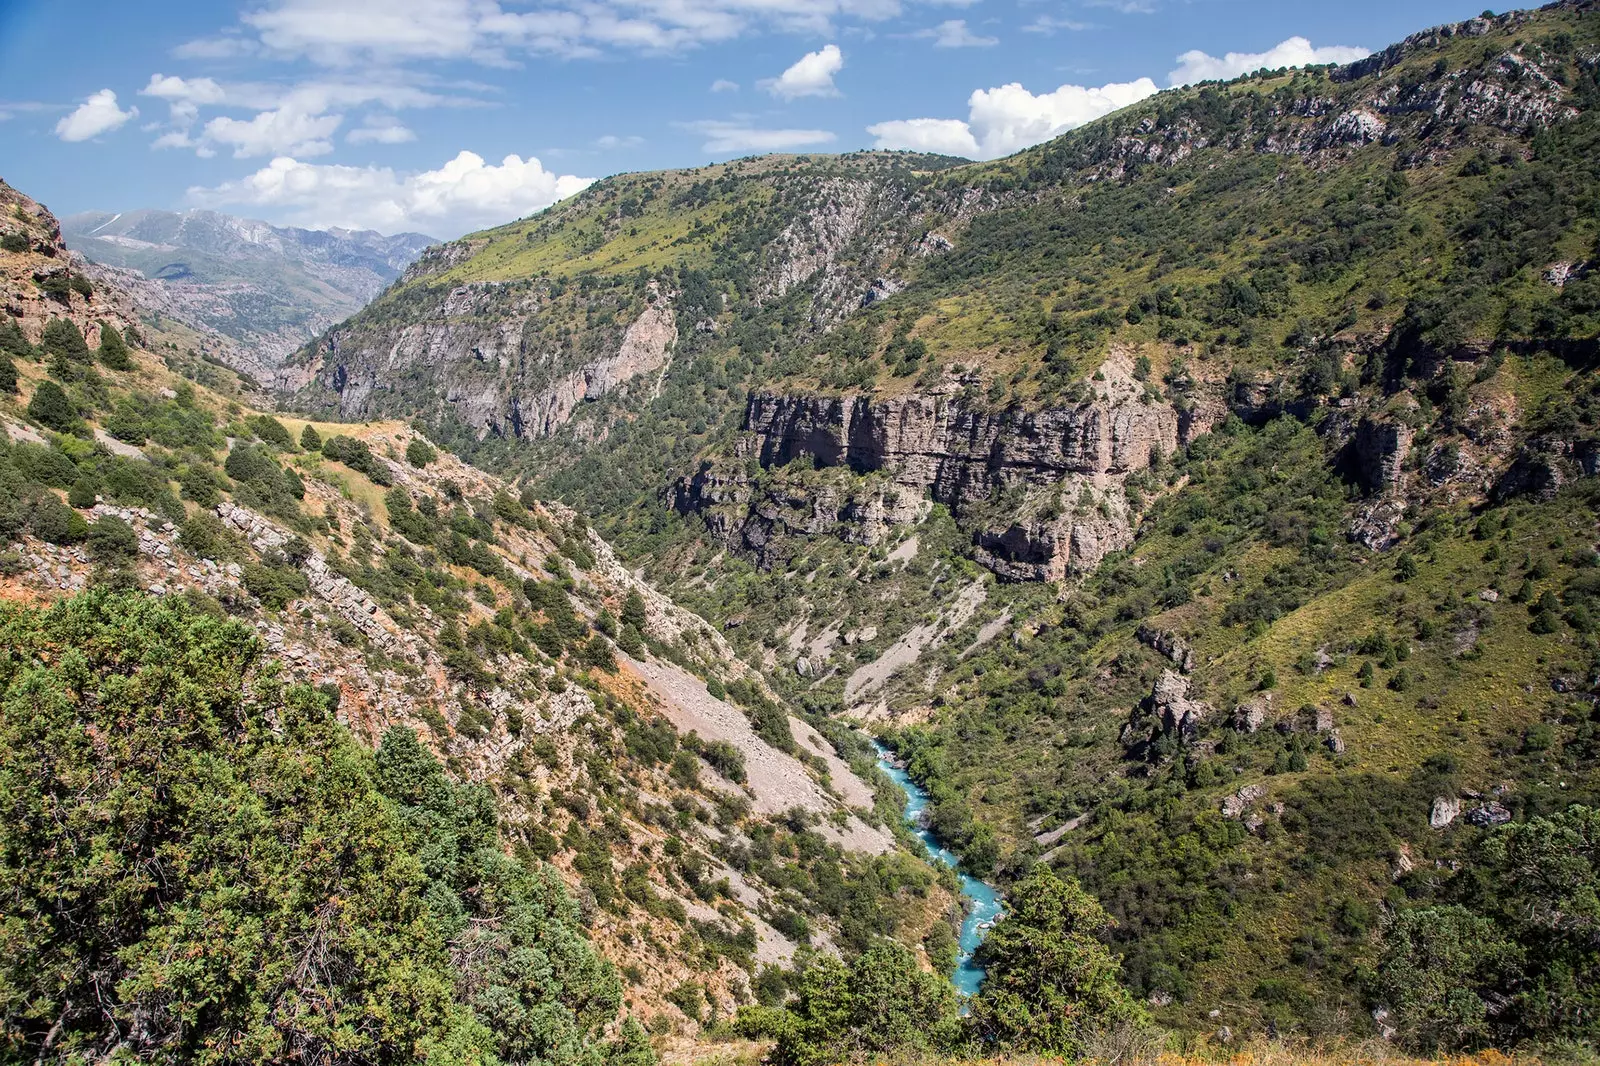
(1127, 7)
(216, 48)
(1049, 24)
(96, 115)
(463, 195)
(298, 120)
(947, 136)
(725, 137)
(393, 32)
(1009, 118)
(723, 85)
(611, 142)
(1295, 52)
(288, 129)
(953, 33)
(380, 131)
(811, 75)
(337, 31)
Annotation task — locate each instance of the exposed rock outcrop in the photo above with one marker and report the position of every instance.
(1060, 470)
(485, 356)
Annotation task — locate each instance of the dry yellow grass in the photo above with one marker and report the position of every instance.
(688, 1051)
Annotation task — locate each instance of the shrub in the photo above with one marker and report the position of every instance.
(83, 491)
(50, 407)
(881, 1002)
(275, 830)
(113, 352)
(112, 540)
(274, 586)
(1434, 961)
(358, 457)
(271, 431)
(203, 534)
(61, 337)
(310, 439)
(1050, 979)
(51, 520)
(420, 453)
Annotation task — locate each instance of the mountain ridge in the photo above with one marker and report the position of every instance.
(264, 288)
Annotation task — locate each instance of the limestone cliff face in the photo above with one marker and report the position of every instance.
(1043, 490)
(490, 357)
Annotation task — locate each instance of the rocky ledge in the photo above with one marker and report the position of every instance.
(1043, 490)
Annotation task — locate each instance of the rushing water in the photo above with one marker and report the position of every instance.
(983, 902)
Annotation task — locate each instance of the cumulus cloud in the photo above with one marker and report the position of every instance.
(725, 137)
(811, 75)
(723, 85)
(1295, 52)
(1009, 118)
(947, 136)
(953, 33)
(298, 120)
(184, 96)
(286, 129)
(463, 195)
(96, 115)
(1006, 119)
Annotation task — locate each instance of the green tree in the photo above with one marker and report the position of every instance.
(420, 453)
(271, 431)
(287, 921)
(1050, 980)
(310, 439)
(113, 352)
(879, 1003)
(633, 611)
(50, 407)
(1435, 962)
(61, 337)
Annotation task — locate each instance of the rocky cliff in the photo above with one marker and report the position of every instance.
(492, 358)
(1044, 489)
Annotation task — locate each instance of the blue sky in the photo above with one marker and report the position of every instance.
(448, 115)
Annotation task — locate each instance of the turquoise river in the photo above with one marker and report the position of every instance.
(983, 902)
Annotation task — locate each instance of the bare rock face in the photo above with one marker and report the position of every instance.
(1167, 713)
(1068, 463)
(1380, 449)
(24, 274)
(1545, 464)
(484, 355)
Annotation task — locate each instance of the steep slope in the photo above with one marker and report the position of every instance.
(624, 742)
(1202, 502)
(268, 288)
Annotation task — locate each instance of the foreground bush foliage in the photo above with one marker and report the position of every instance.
(201, 865)
(1050, 981)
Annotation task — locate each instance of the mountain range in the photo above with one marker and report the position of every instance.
(267, 289)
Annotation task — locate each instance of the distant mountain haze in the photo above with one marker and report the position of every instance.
(268, 288)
